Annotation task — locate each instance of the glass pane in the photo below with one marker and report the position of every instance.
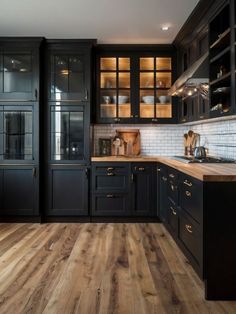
(76, 64)
(146, 80)
(124, 80)
(147, 104)
(162, 96)
(164, 111)
(124, 106)
(163, 80)
(67, 135)
(17, 135)
(124, 64)
(108, 104)
(76, 83)
(163, 64)
(17, 82)
(17, 63)
(108, 64)
(108, 80)
(61, 64)
(61, 83)
(147, 64)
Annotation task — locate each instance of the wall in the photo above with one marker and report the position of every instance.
(167, 140)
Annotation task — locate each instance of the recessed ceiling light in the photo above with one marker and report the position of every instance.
(165, 28)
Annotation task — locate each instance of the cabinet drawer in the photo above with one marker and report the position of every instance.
(110, 204)
(110, 182)
(191, 196)
(173, 217)
(107, 167)
(190, 234)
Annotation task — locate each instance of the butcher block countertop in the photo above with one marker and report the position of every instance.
(204, 172)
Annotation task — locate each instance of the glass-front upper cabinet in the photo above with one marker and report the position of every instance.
(16, 132)
(68, 132)
(114, 89)
(68, 73)
(19, 70)
(155, 79)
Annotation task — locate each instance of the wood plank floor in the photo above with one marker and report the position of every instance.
(97, 268)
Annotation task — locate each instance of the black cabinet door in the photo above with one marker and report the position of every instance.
(68, 71)
(19, 68)
(19, 191)
(68, 191)
(162, 192)
(143, 189)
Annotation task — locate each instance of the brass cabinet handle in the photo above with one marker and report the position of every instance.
(110, 195)
(189, 194)
(188, 183)
(164, 179)
(172, 187)
(154, 120)
(110, 174)
(174, 212)
(171, 175)
(110, 169)
(189, 228)
(132, 177)
(117, 119)
(141, 168)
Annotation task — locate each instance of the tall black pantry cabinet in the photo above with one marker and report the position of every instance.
(19, 127)
(67, 124)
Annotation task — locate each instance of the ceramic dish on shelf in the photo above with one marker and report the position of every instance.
(122, 99)
(148, 99)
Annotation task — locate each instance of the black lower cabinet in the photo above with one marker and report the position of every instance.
(162, 202)
(123, 189)
(68, 191)
(143, 189)
(19, 191)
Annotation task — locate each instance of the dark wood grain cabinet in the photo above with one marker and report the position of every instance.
(123, 189)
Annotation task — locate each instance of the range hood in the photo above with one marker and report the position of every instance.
(195, 76)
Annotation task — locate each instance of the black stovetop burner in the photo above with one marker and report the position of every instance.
(208, 159)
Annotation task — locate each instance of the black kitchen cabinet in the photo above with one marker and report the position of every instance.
(19, 68)
(19, 191)
(123, 189)
(69, 69)
(143, 178)
(67, 128)
(162, 192)
(133, 83)
(68, 191)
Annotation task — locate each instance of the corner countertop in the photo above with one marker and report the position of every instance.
(205, 172)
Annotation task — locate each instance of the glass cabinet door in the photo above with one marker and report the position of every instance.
(68, 77)
(155, 79)
(67, 132)
(17, 79)
(114, 88)
(16, 133)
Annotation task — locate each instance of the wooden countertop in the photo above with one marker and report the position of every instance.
(204, 172)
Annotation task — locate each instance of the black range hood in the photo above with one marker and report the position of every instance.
(197, 74)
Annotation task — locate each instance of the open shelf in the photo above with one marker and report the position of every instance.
(223, 38)
(221, 79)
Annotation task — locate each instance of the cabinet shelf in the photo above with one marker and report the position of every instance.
(222, 38)
(219, 55)
(221, 79)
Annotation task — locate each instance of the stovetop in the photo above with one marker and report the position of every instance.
(208, 159)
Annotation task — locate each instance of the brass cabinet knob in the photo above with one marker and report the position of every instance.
(110, 168)
(110, 195)
(141, 168)
(171, 175)
(189, 194)
(188, 183)
(189, 228)
(174, 212)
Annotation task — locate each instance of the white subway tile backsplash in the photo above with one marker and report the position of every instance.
(167, 140)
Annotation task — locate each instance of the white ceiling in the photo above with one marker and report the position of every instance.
(110, 21)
